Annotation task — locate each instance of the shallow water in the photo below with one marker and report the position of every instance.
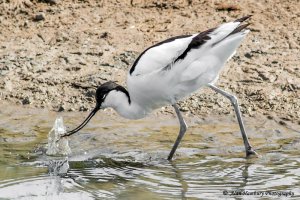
(113, 158)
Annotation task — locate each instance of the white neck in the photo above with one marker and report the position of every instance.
(119, 101)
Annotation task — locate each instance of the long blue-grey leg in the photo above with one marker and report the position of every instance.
(183, 128)
(234, 102)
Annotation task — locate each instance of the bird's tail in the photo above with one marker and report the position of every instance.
(227, 46)
(241, 28)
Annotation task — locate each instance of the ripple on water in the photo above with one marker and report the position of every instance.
(116, 163)
(43, 187)
(102, 177)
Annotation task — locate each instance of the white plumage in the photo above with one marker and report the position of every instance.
(171, 70)
(152, 86)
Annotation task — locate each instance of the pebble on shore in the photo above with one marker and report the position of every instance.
(39, 16)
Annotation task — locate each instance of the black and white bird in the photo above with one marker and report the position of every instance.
(173, 69)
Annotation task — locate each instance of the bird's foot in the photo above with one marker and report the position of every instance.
(250, 152)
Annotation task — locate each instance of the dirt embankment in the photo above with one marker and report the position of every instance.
(54, 53)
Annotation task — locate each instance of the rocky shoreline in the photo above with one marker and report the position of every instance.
(53, 54)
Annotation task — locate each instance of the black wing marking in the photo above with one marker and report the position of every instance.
(160, 43)
(202, 37)
(196, 42)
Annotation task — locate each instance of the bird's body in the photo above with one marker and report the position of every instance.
(171, 70)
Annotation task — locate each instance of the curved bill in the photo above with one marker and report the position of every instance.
(83, 123)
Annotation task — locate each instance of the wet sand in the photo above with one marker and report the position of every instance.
(212, 135)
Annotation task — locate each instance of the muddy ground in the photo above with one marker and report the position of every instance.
(54, 53)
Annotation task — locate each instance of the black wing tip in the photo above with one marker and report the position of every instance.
(239, 28)
(242, 27)
(243, 18)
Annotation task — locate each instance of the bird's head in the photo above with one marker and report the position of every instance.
(102, 99)
(103, 91)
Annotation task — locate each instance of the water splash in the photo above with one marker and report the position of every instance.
(58, 167)
(56, 144)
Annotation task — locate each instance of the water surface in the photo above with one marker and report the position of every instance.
(113, 158)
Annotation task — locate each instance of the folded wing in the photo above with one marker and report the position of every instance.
(183, 50)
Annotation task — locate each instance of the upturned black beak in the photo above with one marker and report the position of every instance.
(94, 111)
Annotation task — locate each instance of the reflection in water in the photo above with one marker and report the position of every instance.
(245, 175)
(58, 167)
(128, 161)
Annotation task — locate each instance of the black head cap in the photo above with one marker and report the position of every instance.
(105, 88)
